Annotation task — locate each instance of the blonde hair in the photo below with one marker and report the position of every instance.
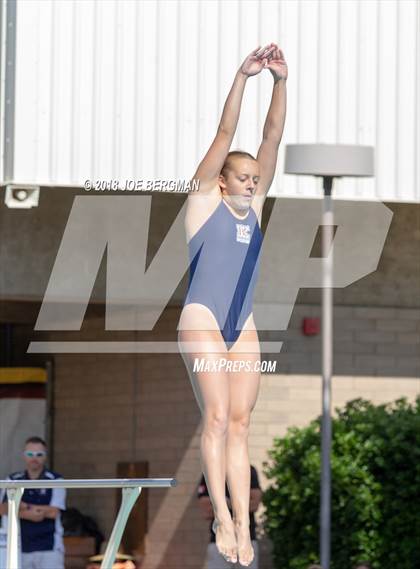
(227, 166)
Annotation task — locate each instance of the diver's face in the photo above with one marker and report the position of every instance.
(240, 185)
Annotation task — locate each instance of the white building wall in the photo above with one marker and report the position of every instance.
(118, 89)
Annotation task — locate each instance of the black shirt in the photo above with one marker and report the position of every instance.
(203, 491)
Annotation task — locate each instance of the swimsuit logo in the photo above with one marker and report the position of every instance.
(243, 234)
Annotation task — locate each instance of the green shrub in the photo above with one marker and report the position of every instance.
(375, 488)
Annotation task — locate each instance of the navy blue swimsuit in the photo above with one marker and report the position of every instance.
(224, 263)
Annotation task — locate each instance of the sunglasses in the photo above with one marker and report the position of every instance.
(34, 453)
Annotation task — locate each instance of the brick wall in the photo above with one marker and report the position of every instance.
(29, 254)
(112, 408)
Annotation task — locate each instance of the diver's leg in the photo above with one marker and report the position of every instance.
(211, 389)
(243, 386)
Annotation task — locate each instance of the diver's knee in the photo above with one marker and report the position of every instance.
(238, 424)
(215, 422)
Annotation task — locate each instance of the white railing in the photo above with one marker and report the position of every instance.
(131, 489)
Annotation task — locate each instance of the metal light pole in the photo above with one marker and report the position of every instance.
(328, 161)
(327, 360)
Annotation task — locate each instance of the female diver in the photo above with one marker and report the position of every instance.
(222, 222)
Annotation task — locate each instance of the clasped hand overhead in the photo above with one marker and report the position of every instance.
(270, 57)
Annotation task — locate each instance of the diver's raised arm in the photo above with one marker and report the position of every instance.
(209, 168)
(274, 122)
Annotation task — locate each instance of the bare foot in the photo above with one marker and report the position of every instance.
(245, 549)
(226, 540)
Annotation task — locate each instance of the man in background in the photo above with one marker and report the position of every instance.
(39, 511)
(214, 559)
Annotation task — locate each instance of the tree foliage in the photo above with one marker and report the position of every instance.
(375, 466)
